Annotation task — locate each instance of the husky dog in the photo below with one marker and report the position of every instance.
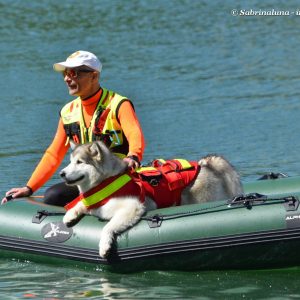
(93, 163)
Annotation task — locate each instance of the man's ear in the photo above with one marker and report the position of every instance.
(96, 151)
(73, 145)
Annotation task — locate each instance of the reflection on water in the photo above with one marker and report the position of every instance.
(27, 280)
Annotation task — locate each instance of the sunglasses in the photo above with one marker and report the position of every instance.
(75, 73)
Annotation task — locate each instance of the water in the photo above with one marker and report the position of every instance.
(65, 283)
(201, 80)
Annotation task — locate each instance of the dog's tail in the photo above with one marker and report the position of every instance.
(222, 169)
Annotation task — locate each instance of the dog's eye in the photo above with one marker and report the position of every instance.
(78, 162)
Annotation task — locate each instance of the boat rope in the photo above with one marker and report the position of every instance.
(290, 202)
(156, 220)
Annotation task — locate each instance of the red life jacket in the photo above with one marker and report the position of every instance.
(164, 182)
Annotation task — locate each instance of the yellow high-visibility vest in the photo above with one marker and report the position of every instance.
(109, 102)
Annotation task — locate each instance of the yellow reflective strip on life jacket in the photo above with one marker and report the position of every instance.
(161, 160)
(107, 191)
(184, 163)
(143, 169)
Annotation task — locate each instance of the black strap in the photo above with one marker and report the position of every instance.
(73, 130)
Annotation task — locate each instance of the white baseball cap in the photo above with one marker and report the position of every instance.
(77, 59)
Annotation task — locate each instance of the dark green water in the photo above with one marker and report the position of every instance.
(202, 81)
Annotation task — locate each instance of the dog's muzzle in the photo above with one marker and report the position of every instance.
(63, 175)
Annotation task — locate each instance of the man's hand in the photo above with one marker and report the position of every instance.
(17, 193)
(132, 161)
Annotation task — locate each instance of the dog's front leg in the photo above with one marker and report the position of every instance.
(106, 240)
(126, 215)
(74, 213)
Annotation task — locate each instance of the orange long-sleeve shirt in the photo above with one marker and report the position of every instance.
(56, 152)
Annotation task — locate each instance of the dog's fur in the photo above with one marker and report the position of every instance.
(92, 163)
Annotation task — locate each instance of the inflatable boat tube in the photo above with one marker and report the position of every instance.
(258, 230)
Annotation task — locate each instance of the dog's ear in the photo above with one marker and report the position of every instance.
(73, 145)
(96, 151)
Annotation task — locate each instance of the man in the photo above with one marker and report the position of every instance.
(96, 114)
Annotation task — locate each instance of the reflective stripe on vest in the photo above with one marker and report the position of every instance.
(158, 163)
(116, 186)
(107, 191)
(185, 164)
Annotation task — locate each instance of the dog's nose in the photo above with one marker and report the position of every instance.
(62, 174)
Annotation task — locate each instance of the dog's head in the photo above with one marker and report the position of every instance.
(90, 164)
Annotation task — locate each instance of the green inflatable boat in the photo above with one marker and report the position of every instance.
(260, 229)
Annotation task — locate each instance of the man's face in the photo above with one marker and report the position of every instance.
(80, 81)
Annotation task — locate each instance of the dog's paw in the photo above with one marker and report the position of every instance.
(104, 246)
(70, 217)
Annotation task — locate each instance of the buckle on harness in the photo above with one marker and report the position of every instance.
(152, 179)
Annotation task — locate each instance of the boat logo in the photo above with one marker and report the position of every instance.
(293, 217)
(56, 232)
(293, 220)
